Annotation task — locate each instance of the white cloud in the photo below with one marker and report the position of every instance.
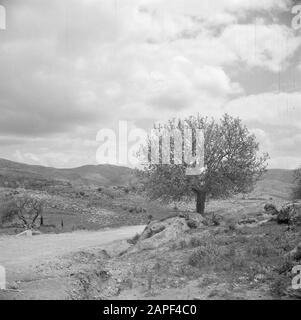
(267, 46)
(69, 68)
(268, 109)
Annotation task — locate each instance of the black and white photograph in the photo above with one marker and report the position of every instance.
(150, 150)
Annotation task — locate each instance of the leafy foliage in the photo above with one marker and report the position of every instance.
(231, 160)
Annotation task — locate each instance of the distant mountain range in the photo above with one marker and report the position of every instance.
(14, 174)
(275, 183)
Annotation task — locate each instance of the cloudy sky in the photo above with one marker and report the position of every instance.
(69, 68)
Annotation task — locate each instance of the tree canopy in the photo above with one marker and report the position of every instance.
(231, 157)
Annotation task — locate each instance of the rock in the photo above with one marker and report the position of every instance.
(36, 233)
(13, 286)
(270, 208)
(217, 219)
(192, 224)
(259, 277)
(151, 230)
(248, 221)
(290, 214)
(184, 215)
(158, 233)
(27, 233)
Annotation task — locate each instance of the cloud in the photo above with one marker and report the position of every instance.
(266, 46)
(268, 109)
(69, 68)
(275, 120)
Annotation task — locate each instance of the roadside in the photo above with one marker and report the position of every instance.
(36, 266)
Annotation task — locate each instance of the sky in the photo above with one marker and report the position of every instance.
(69, 68)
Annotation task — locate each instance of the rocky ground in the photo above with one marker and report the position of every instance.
(243, 248)
(191, 257)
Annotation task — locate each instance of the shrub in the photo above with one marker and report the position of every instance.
(260, 248)
(25, 207)
(206, 255)
(8, 211)
(279, 286)
(196, 242)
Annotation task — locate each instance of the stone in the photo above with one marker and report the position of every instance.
(248, 221)
(151, 230)
(270, 208)
(26, 233)
(192, 224)
(290, 214)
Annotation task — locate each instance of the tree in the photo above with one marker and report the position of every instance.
(230, 156)
(26, 208)
(297, 186)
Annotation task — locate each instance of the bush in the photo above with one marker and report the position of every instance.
(206, 255)
(196, 242)
(260, 249)
(24, 207)
(279, 286)
(8, 212)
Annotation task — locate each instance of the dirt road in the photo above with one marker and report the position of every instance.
(35, 266)
(19, 252)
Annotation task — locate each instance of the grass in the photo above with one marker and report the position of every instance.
(254, 253)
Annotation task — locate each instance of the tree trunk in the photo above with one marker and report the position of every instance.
(200, 202)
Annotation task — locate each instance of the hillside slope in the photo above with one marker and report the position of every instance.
(13, 174)
(275, 182)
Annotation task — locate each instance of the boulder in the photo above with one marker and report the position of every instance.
(151, 230)
(158, 233)
(270, 208)
(192, 224)
(290, 214)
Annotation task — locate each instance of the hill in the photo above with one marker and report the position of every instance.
(274, 183)
(14, 174)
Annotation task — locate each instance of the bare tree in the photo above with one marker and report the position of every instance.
(28, 209)
(231, 160)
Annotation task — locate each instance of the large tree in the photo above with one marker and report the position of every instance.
(231, 158)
